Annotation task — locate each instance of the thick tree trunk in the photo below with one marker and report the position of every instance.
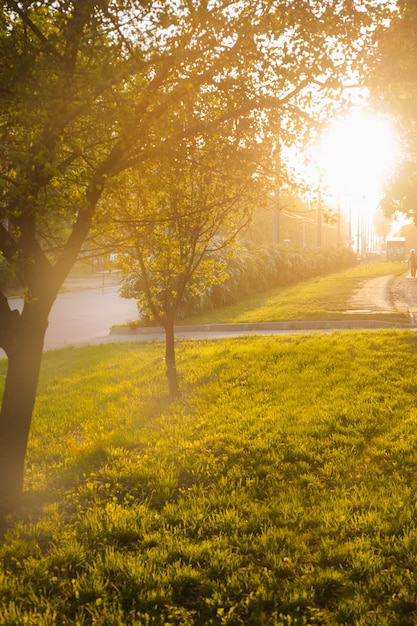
(24, 360)
(170, 361)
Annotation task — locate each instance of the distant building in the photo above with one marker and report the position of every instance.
(396, 249)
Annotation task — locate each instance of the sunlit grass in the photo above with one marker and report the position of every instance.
(280, 489)
(326, 297)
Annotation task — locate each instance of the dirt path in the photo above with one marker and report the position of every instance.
(374, 296)
(387, 294)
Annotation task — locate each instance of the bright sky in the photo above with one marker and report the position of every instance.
(358, 155)
(351, 165)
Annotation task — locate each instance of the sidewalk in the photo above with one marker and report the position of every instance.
(219, 331)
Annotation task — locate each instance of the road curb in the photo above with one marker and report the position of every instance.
(262, 326)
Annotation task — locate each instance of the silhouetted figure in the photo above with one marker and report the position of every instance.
(412, 262)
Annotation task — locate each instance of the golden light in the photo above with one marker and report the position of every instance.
(346, 172)
(357, 157)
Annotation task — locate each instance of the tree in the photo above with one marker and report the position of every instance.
(393, 84)
(175, 217)
(90, 88)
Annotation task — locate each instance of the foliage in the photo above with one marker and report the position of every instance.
(280, 490)
(6, 275)
(179, 219)
(252, 270)
(102, 92)
(178, 215)
(90, 90)
(393, 84)
(257, 269)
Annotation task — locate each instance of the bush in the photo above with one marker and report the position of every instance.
(253, 269)
(256, 269)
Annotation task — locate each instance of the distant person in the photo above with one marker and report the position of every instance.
(412, 262)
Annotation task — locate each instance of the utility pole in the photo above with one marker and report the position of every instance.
(339, 234)
(277, 214)
(319, 210)
(277, 197)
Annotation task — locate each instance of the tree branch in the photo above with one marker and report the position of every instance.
(25, 18)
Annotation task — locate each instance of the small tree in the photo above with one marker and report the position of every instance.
(177, 215)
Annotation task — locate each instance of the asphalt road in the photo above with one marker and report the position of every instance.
(85, 314)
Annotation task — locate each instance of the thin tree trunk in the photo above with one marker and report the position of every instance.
(24, 361)
(170, 361)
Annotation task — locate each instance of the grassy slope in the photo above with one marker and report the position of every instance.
(325, 297)
(281, 489)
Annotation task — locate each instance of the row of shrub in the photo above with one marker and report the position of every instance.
(256, 269)
(253, 269)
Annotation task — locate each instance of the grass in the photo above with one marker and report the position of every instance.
(280, 490)
(325, 297)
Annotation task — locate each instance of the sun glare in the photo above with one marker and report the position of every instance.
(357, 156)
(348, 171)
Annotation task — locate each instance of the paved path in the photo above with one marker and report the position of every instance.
(84, 316)
(388, 294)
(374, 296)
(220, 331)
(404, 290)
(85, 311)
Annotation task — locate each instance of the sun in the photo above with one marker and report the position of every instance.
(347, 172)
(357, 156)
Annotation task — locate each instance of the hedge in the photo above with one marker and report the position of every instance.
(253, 269)
(256, 269)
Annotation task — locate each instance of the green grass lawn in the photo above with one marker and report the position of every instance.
(325, 297)
(280, 490)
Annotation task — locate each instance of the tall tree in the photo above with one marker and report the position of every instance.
(393, 84)
(89, 88)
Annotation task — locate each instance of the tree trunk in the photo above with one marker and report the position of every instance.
(24, 361)
(171, 371)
